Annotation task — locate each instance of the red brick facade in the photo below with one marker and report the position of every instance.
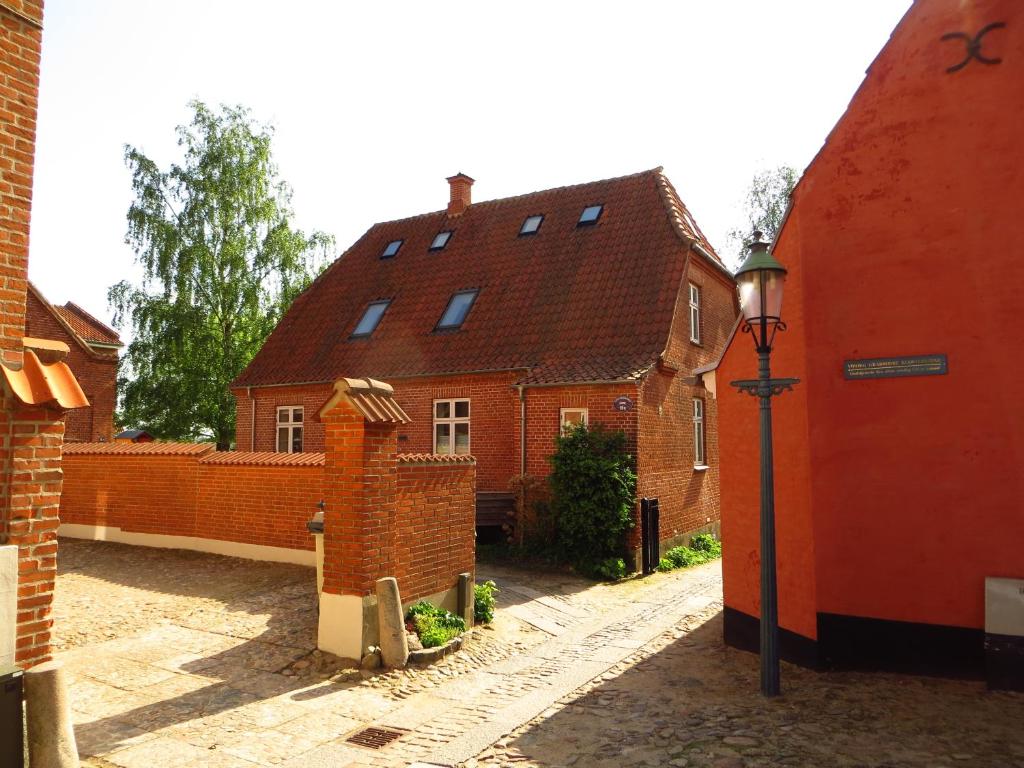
(96, 372)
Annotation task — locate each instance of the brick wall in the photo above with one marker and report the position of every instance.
(435, 537)
(494, 418)
(178, 489)
(96, 373)
(20, 43)
(32, 488)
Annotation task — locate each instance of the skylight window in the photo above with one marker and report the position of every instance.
(441, 240)
(458, 307)
(590, 215)
(531, 225)
(371, 318)
(391, 249)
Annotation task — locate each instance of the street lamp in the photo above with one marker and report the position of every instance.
(760, 280)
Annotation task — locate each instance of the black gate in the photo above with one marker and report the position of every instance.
(650, 529)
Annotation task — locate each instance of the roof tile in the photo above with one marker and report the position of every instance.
(569, 303)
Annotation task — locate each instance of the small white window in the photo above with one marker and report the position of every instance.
(451, 427)
(694, 313)
(440, 240)
(571, 418)
(699, 456)
(458, 307)
(531, 225)
(391, 249)
(289, 429)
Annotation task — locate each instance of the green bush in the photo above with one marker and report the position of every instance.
(705, 542)
(435, 626)
(684, 557)
(665, 565)
(593, 489)
(609, 569)
(483, 602)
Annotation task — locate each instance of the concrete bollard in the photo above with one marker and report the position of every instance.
(394, 647)
(51, 739)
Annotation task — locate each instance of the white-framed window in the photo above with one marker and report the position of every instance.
(694, 313)
(451, 427)
(289, 429)
(700, 458)
(572, 417)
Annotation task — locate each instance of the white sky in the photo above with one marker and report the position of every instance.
(375, 103)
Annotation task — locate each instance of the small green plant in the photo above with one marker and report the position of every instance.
(435, 626)
(705, 542)
(483, 602)
(703, 549)
(609, 569)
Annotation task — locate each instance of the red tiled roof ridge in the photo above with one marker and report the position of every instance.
(154, 448)
(105, 332)
(58, 315)
(435, 458)
(517, 198)
(265, 458)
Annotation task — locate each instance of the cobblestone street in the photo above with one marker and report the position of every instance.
(181, 659)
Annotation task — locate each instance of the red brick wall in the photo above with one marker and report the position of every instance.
(96, 374)
(494, 418)
(191, 493)
(33, 493)
(688, 498)
(435, 528)
(20, 43)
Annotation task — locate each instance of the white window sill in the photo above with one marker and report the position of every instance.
(700, 467)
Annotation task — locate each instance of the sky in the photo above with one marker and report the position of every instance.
(374, 104)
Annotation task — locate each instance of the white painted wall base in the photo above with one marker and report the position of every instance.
(212, 546)
(341, 625)
(8, 603)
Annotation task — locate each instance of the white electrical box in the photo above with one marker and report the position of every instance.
(1004, 607)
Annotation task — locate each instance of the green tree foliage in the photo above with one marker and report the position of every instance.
(763, 208)
(593, 488)
(221, 263)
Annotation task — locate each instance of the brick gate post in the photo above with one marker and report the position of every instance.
(360, 480)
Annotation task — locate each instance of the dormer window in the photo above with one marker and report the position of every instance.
(440, 240)
(531, 225)
(456, 311)
(371, 318)
(590, 215)
(391, 249)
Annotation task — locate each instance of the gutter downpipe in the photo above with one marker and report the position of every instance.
(252, 419)
(522, 429)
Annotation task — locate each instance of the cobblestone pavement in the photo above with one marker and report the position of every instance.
(181, 660)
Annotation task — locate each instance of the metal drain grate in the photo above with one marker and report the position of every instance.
(374, 738)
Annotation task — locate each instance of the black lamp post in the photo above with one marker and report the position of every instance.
(760, 280)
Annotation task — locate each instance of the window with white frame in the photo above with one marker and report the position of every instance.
(699, 453)
(451, 427)
(570, 418)
(289, 429)
(694, 313)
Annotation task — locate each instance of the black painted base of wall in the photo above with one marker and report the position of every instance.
(854, 642)
(1004, 659)
(743, 631)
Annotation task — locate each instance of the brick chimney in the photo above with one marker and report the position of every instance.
(460, 197)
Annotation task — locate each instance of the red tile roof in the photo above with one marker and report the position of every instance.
(88, 327)
(567, 304)
(155, 448)
(264, 459)
(435, 458)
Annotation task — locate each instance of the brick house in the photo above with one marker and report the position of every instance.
(897, 479)
(92, 357)
(500, 322)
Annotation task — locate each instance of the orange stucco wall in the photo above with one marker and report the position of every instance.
(898, 496)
